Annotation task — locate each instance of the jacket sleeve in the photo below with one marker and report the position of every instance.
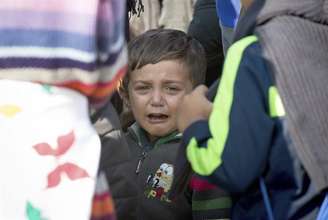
(208, 200)
(231, 148)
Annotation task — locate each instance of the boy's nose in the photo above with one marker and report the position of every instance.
(157, 98)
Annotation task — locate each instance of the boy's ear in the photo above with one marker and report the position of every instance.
(124, 96)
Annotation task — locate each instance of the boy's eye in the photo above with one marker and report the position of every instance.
(142, 88)
(172, 89)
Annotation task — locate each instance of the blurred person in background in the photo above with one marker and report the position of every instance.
(205, 28)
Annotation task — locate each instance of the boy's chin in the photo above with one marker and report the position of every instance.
(158, 133)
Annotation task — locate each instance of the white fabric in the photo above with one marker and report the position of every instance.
(176, 14)
(31, 114)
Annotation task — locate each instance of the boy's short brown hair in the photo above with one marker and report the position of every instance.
(158, 45)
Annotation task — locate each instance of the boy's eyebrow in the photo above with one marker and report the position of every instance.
(165, 81)
(172, 81)
(141, 81)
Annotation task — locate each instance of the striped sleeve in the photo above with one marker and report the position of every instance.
(235, 147)
(102, 202)
(73, 44)
(208, 200)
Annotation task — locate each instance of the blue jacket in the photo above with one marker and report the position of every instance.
(246, 137)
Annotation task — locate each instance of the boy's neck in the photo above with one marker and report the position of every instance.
(150, 138)
(146, 140)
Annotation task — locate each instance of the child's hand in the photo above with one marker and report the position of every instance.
(193, 107)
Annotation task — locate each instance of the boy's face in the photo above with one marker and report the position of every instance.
(154, 93)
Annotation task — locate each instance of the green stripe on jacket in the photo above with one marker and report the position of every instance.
(219, 203)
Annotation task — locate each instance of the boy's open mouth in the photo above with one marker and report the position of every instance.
(157, 117)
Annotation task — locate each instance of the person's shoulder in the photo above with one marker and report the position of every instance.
(249, 51)
(245, 58)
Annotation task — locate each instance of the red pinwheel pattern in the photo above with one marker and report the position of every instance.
(73, 171)
(64, 143)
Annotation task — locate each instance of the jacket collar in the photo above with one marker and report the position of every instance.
(139, 134)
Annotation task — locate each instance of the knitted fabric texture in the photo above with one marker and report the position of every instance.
(294, 37)
(73, 44)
